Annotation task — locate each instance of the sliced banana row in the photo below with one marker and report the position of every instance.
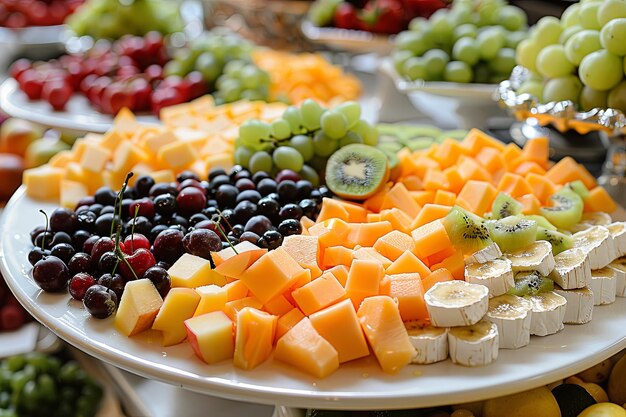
(604, 285)
(592, 219)
(548, 312)
(580, 302)
(512, 315)
(536, 257)
(430, 343)
(572, 269)
(486, 254)
(619, 265)
(598, 244)
(456, 303)
(496, 275)
(474, 345)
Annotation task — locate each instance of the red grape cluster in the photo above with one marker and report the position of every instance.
(23, 13)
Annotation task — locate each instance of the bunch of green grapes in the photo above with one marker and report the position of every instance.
(473, 41)
(581, 57)
(303, 139)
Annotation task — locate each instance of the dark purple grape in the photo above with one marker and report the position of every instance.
(107, 262)
(89, 244)
(216, 172)
(271, 239)
(304, 189)
(143, 185)
(190, 200)
(142, 226)
(268, 207)
(325, 192)
(86, 220)
(191, 183)
(316, 196)
(160, 278)
(168, 245)
(309, 208)
(240, 175)
(206, 224)
(80, 262)
(248, 195)
(61, 237)
(85, 201)
(245, 184)
(164, 265)
(290, 227)
(36, 254)
(259, 175)
(211, 204)
(235, 170)
(290, 211)
(63, 220)
(287, 191)
(113, 282)
(249, 237)
(35, 232)
(197, 218)
(99, 211)
(63, 251)
(226, 196)
(215, 183)
(125, 207)
(163, 188)
(100, 301)
(187, 175)
(105, 223)
(201, 242)
(258, 224)
(51, 274)
(287, 175)
(154, 232)
(244, 210)
(165, 204)
(266, 186)
(44, 239)
(105, 196)
(227, 220)
(237, 230)
(102, 245)
(129, 194)
(232, 239)
(79, 238)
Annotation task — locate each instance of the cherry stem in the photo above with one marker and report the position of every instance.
(117, 207)
(132, 230)
(43, 239)
(221, 230)
(120, 254)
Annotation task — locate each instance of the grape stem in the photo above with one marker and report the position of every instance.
(43, 239)
(221, 229)
(117, 207)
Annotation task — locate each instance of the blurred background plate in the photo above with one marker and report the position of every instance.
(346, 40)
(35, 42)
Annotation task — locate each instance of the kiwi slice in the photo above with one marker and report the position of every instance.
(566, 210)
(513, 233)
(559, 241)
(504, 206)
(458, 134)
(541, 221)
(392, 147)
(531, 283)
(356, 171)
(419, 143)
(466, 231)
(579, 188)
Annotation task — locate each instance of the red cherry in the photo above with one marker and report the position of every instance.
(164, 97)
(190, 200)
(136, 241)
(102, 245)
(140, 261)
(79, 284)
(146, 208)
(154, 72)
(196, 85)
(16, 20)
(115, 97)
(142, 92)
(87, 83)
(57, 93)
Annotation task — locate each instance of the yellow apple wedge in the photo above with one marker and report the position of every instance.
(178, 306)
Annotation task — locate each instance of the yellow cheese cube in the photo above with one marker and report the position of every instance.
(200, 168)
(197, 138)
(220, 160)
(212, 298)
(61, 159)
(178, 306)
(94, 157)
(211, 336)
(177, 155)
(79, 148)
(138, 307)
(111, 140)
(71, 193)
(216, 145)
(155, 142)
(216, 124)
(172, 113)
(125, 122)
(43, 182)
(164, 175)
(193, 271)
(126, 156)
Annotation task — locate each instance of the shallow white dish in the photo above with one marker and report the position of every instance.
(347, 40)
(79, 115)
(356, 385)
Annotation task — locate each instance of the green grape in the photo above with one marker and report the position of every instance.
(309, 174)
(461, 14)
(526, 54)
(412, 41)
(568, 33)
(311, 113)
(234, 67)
(229, 90)
(252, 95)
(547, 31)
(304, 145)
(588, 14)
(253, 132)
(601, 70)
(490, 41)
(351, 110)
(280, 129)
(514, 38)
(512, 18)
(466, 50)
(611, 9)
(399, 58)
(504, 62)
(534, 88)
(435, 61)
(488, 13)
(617, 97)
(208, 66)
(293, 116)
(260, 161)
(368, 133)
(552, 62)
(440, 23)
(418, 23)
(571, 16)
(613, 36)
(561, 89)
(250, 76)
(175, 67)
(582, 44)
(334, 124)
(591, 99)
(350, 138)
(466, 30)
(242, 155)
(323, 145)
(321, 13)
(286, 157)
(458, 72)
(415, 69)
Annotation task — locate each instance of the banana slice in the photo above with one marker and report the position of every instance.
(619, 265)
(474, 345)
(599, 245)
(456, 303)
(618, 233)
(548, 312)
(496, 275)
(430, 343)
(536, 257)
(572, 269)
(512, 315)
(596, 218)
(486, 254)
(604, 285)
(580, 303)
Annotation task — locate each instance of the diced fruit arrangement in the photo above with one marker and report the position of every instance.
(378, 16)
(21, 14)
(12, 314)
(595, 392)
(471, 42)
(37, 384)
(112, 19)
(580, 58)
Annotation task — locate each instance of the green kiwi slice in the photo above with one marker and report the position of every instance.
(356, 171)
(579, 188)
(504, 206)
(541, 221)
(559, 241)
(531, 283)
(513, 233)
(566, 210)
(466, 231)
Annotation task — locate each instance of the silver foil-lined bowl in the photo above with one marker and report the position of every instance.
(563, 115)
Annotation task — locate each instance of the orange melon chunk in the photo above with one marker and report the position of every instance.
(304, 348)
(430, 239)
(491, 159)
(454, 180)
(272, 274)
(232, 264)
(422, 164)
(372, 255)
(318, 294)
(332, 209)
(363, 280)
(304, 250)
(412, 183)
(398, 219)
(439, 275)
(514, 185)
(331, 232)
(449, 152)
(600, 200)
(235, 290)
(568, 170)
(477, 196)
(278, 306)
(423, 197)
(381, 322)
(399, 197)
(542, 187)
(408, 290)
(526, 167)
(511, 153)
(455, 264)
(434, 180)
(373, 217)
(254, 338)
(537, 150)
(393, 244)
(287, 321)
(408, 263)
(438, 257)
(375, 202)
(475, 140)
(340, 272)
(444, 198)
(530, 204)
(429, 213)
(340, 326)
(471, 170)
(232, 308)
(356, 212)
(368, 233)
(336, 255)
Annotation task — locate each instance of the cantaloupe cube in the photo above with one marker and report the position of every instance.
(61, 159)
(278, 306)
(530, 204)
(254, 338)
(542, 187)
(439, 275)
(430, 239)
(449, 152)
(339, 325)
(212, 298)
(304, 348)
(340, 272)
(232, 308)
(537, 150)
(471, 170)
(287, 321)
(412, 183)
(428, 213)
(356, 212)
(304, 249)
(477, 196)
(599, 200)
(423, 197)
(399, 197)
(399, 220)
(514, 185)
(444, 198)
(232, 262)
(43, 183)
(111, 140)
(422, 164)
(454, 180)
(371, 254)
(375, 202)
(568, 170)
(306, 224)
(491, 159)
(475, 140)
(331, 232)
(138, 307)
(363, 280)
(373, 217)
(319, 294)
(366, 234)
(193, 271)
(211, 336)
(235, 290)
(332, 209)
(178, 306)
(406, 263)
(381, 322)
(393, 244)
(526, 167)
(336, 255)
(510, 153)
(272, 274)
(440, 256)
(434, 180)
(454, 263)
(408, 290)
